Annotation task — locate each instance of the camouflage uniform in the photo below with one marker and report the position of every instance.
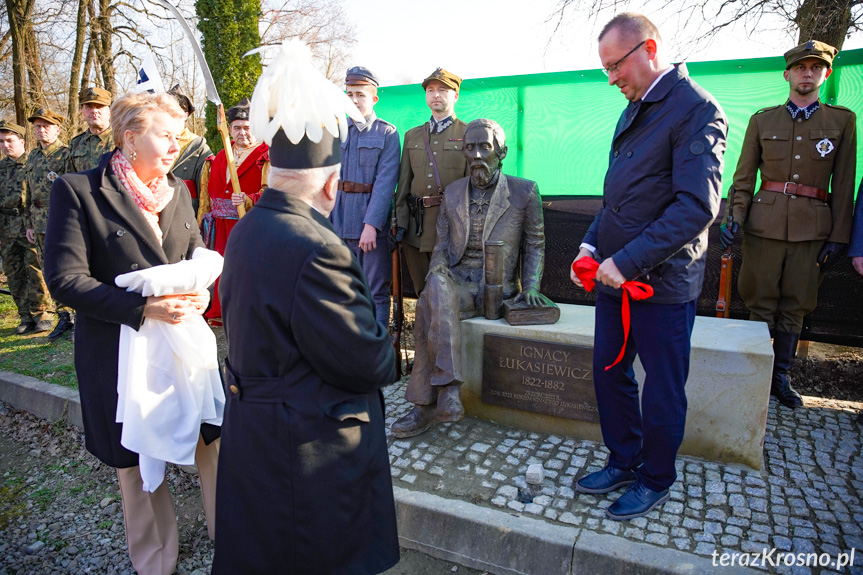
(20, 262)
(86, 148)
(43, 167)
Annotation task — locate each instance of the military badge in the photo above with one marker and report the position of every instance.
(52, 176)
(824, 147)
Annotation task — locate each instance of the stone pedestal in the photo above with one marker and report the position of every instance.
(727, 391)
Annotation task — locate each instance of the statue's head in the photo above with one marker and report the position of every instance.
(484, 148)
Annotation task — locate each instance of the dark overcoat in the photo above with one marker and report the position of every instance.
(662, 189)
(96, 232)
(304, 479)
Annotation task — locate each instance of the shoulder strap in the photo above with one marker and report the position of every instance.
(431, 159)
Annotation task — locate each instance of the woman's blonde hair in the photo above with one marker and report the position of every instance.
(133, 112)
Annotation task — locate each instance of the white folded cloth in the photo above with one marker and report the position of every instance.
(168, 375)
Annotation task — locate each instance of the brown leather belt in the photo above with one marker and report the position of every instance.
(430, 201)
(354, 187)
(792, 189)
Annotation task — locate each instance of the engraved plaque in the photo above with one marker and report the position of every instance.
(539, 376)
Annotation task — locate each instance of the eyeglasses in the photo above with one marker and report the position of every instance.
(616, 66)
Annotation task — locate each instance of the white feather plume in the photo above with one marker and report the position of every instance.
(293, 95)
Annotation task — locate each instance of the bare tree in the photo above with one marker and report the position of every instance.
(322, 24)
(829, 21)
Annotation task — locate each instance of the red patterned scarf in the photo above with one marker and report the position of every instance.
(151, 199)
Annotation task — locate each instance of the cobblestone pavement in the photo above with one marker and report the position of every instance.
(807, 497)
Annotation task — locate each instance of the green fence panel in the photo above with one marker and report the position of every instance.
(559, 125)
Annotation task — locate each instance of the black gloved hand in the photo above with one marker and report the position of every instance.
(393, 240)
(726, 234)
(829, 255)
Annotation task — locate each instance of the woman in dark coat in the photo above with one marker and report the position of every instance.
(127, 214)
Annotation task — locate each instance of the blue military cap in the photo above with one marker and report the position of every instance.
(360, 75)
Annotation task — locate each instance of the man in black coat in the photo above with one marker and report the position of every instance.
(305, 486)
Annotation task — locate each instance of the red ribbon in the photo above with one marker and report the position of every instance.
(585, 269)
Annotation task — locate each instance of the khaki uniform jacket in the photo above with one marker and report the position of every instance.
(416, 176)
(14, 217)
(43, 167)
(86, 149)
(784, 150)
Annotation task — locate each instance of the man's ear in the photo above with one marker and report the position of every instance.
(501, 154)
(829, 71)
(650, 44)
(331, 186)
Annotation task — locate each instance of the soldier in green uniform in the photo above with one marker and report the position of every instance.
(794, 227)
(431, 160)
(86, 148)
(45, 164)
(20, 262)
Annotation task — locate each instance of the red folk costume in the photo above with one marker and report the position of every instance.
(217, 216)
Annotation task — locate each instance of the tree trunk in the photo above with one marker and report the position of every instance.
(36, 91)
(17, 24)
(90, 60)
(75, 71)
(824, 20)
(104, 48)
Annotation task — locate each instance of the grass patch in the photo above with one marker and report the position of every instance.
(34, 355)
(12, 502)
(44, 497)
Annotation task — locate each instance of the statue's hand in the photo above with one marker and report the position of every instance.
(531, 297)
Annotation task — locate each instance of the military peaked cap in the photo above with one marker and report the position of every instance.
(14, 128)
(94, 95)
(449, 79)
(360, 75)
(47, 115)
(811, 49)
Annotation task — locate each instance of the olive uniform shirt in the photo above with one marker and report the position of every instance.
(820, 151)
(43, 167)
(417, 177)
(14, 218)
(86, 148)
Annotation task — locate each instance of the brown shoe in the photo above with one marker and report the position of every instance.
(449, 407)
(415, 422)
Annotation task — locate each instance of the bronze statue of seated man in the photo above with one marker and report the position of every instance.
(486, 208)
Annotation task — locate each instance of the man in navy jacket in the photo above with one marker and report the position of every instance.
(661, 193)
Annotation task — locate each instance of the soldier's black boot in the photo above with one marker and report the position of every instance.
(784, 345)
(64, 324)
